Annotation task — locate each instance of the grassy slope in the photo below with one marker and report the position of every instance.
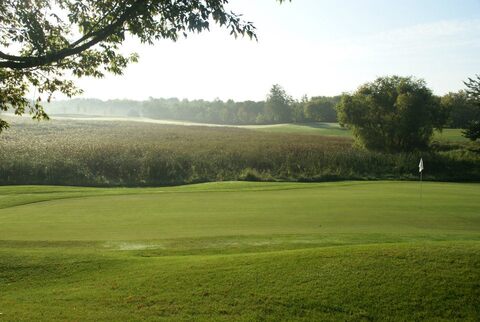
(454, 135)
(327, 129)
(241, 251)
(401, 282)
(333, 129)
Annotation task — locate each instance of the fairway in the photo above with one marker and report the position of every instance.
(241, 251)
(313, 128)
(334, 129)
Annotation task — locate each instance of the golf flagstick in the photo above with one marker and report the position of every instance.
(420, 169)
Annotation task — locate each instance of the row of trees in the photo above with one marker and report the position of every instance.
(279, 107)
(458, 109)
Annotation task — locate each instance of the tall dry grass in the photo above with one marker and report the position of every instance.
(133, 154)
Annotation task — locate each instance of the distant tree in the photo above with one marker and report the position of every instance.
(392, 114)
(298, 110)
(133, 113)
(278, 106)
(47, 38)
(472, 131)
(462, 111)
(321, 109)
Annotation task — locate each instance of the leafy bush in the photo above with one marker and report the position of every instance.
(392, 114)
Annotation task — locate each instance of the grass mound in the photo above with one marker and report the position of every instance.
(438, 281)
(241, 251)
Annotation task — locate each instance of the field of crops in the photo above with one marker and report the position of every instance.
(241, 251)
(311, 128)
(141, 154)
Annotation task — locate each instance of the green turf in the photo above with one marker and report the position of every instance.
(318, 128)
(334, 129)
(241, 251)
(228, 209)
(454, 135)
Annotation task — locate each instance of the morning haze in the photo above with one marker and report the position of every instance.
(310, 47)
(328, 172)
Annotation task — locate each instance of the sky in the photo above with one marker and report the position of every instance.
(309, 47)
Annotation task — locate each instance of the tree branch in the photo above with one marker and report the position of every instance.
(18, 62)
(91, 33)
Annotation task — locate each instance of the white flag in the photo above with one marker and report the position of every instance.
(420, 165)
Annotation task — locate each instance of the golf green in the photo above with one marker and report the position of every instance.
(241, 251)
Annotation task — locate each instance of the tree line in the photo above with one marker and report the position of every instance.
(279, 107)
(40, 62)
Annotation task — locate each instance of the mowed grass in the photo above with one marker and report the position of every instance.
(334, 129)
(454, 135)
(318, 128)
(238, 208)
(241, 251)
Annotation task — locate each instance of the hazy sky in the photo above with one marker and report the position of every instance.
(313, 47)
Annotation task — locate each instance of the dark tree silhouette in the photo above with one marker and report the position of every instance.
(392, 114)
(473, 91)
